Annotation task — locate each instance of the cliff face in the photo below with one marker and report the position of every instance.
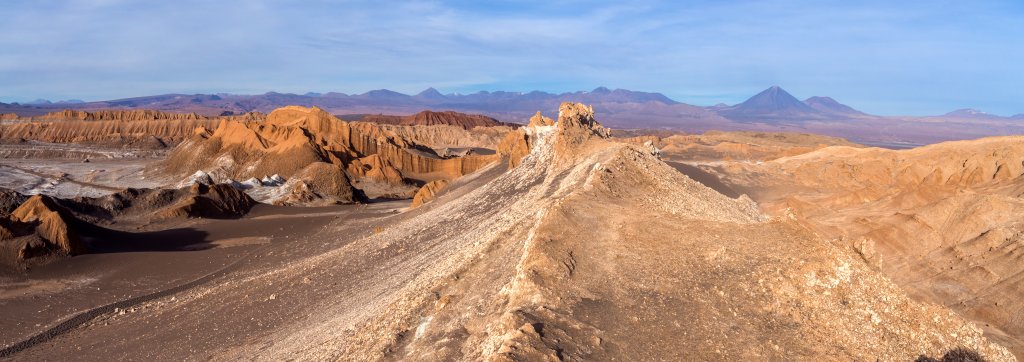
(112, 128)
(112, 133)
(442, 136)
(431, 118)
(117, 115)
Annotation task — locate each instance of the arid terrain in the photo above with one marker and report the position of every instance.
(297, 234)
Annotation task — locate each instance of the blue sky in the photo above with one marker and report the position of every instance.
(884, 57)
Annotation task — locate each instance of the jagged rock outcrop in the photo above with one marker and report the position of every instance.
(517, 143)
(428, 192)
(576, 125)
(293, 137)
(538, 120)
(50, 222)
(37, 228)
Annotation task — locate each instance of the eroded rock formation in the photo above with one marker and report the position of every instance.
(42, 228)
(294, 137)
(432, 118)
(145, 129)
(428, 192)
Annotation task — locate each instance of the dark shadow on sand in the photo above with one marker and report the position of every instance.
(103, 240)
(705, 178)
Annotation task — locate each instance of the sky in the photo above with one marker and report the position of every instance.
(882, 57)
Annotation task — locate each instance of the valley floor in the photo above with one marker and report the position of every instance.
(150, 272)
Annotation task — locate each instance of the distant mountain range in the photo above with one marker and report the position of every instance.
(773, 109)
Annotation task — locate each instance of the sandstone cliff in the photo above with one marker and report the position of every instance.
(431, 118)
(145, 129)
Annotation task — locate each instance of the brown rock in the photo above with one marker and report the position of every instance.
(294, 137)
(50, 222)
(515, 146)
(375, 168)
(428, 192)
(218, 201)
(431, 118)
(538, 120)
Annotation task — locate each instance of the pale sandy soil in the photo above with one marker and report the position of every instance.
(72, 178)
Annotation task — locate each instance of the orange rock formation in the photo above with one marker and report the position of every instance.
(293, 137)
(428, 192)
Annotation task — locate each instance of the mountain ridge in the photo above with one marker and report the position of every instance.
(773, 109)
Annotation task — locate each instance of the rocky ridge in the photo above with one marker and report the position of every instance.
(593, 249)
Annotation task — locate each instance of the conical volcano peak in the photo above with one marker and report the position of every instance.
(430, 93)
(773, 102)
(774, 95)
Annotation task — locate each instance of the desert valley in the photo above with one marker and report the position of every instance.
(298, 234)
(438, 180)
